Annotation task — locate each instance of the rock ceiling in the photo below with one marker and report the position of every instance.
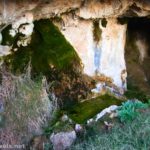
(85, 9)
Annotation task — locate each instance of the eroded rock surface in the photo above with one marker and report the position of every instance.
(105, 56)
(79, 21)
(83, 8)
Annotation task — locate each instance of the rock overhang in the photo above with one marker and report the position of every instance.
(85, 9)
(80, 16)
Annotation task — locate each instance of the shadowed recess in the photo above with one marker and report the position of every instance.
(137, 45)
(83, 111)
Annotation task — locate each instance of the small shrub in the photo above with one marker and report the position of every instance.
(128, 110)
(27, 107)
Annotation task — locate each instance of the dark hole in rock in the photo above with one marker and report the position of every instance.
(104, 22)
(137, 54)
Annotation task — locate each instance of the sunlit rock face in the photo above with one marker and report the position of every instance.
(80, 34)
(105, 56)
(102, 56)
(112, 61)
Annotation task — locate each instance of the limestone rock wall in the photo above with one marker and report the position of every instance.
(76, 22)
(112, 61)
(103, 57)
(87, 9)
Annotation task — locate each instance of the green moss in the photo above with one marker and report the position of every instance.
(57, 125)
(19, 60)
(81, 112)
(48, 48)
(55, 48)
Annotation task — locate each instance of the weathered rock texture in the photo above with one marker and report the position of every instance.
(86, 9)
(76, 20)
(105, 56)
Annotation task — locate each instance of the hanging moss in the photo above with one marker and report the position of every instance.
(18, 61)
(96, 31)
(56, 50)
(48, 48)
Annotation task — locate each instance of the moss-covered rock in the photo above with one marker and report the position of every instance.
(48, 49)
(81, 112)
(50, 54)
(53, 48)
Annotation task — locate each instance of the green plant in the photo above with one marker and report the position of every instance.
(96, 31)
(129, 110)
(57, 125)
(128, 136)
(53, 123)
(48, 49)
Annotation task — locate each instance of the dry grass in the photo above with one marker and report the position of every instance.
(133, 135)
(27, 107)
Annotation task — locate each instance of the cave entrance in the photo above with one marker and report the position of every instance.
(137, 55)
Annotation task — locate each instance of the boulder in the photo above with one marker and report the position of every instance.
(62, 140)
